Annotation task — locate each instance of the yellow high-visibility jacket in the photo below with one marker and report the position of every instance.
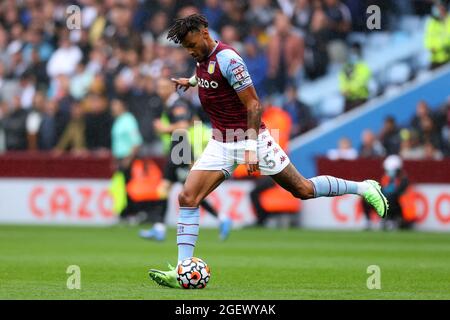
(356, 85)
(437, 39)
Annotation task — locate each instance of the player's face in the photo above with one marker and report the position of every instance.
(196, 44)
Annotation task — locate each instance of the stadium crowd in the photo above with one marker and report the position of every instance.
(425, 137)
(57, 84)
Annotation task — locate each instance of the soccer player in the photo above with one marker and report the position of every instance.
(227, 95)
(179, 114)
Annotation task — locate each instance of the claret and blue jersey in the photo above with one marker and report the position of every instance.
(220, 77)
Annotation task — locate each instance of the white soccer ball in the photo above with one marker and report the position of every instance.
(193, 273)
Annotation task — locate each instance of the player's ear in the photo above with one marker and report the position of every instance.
(205, 33)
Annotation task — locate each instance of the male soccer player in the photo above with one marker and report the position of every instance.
(179, 114)
(229, 98)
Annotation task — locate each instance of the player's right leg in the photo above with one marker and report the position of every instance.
(328, 186)
(274, 162)
(198, 185)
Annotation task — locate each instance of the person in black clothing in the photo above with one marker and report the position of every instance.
(390, 136)
(301, 115)
(98, 121)
(261, 184)
(147, 106)
(316, 42)
(179, 115)
(14, 126)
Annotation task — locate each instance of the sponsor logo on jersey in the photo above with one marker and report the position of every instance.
(202, 83)
(211, 67)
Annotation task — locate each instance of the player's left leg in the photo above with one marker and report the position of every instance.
(328, 186)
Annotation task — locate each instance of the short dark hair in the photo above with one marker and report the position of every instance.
(182, 26)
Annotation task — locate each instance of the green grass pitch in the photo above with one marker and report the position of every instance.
(251, 264)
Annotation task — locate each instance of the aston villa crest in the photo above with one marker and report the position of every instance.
(211, 67)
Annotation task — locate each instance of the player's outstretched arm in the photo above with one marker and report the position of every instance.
(184, 83)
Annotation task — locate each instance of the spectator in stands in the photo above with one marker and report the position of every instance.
(47, 131)
(344, 151)
(234, 15)
(213, 13)
(339, 25)
(300, 113)
(285, 52)
(316, 41)
(65, 101)
(35, 41)
(371, 147)
(14, 126)
(158, 24)
(339, 19)
(3, 45)
(65, 59)
(446, 137)
(34, 120)
(147, 106)
(390, 136)
(422, 111)
(28, 89)
(73, 138)
(302, 15)
(229, 34)
(81, 81)
(357, 9)
(441, 117)
(126, 140)
(445, 127)
(437, 35)
(428, 132)
(431, 152)
(354, 79)
(256, 62)
(2, 79)
(37, 67)
(98, 122)
(3, 111)
(410, 147)
(260, 12)
(16, 65)
(120, 30)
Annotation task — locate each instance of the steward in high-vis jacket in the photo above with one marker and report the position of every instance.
(437, 36)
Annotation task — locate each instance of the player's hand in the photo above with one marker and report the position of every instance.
(251, 161)
(181, 83)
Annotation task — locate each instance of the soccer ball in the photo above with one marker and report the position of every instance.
(193, 273)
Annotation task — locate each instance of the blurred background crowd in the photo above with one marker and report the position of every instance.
(57, 84)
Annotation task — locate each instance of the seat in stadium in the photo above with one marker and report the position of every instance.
(331, 106)
(398, 74)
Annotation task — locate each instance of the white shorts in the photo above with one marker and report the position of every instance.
(226, 156)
